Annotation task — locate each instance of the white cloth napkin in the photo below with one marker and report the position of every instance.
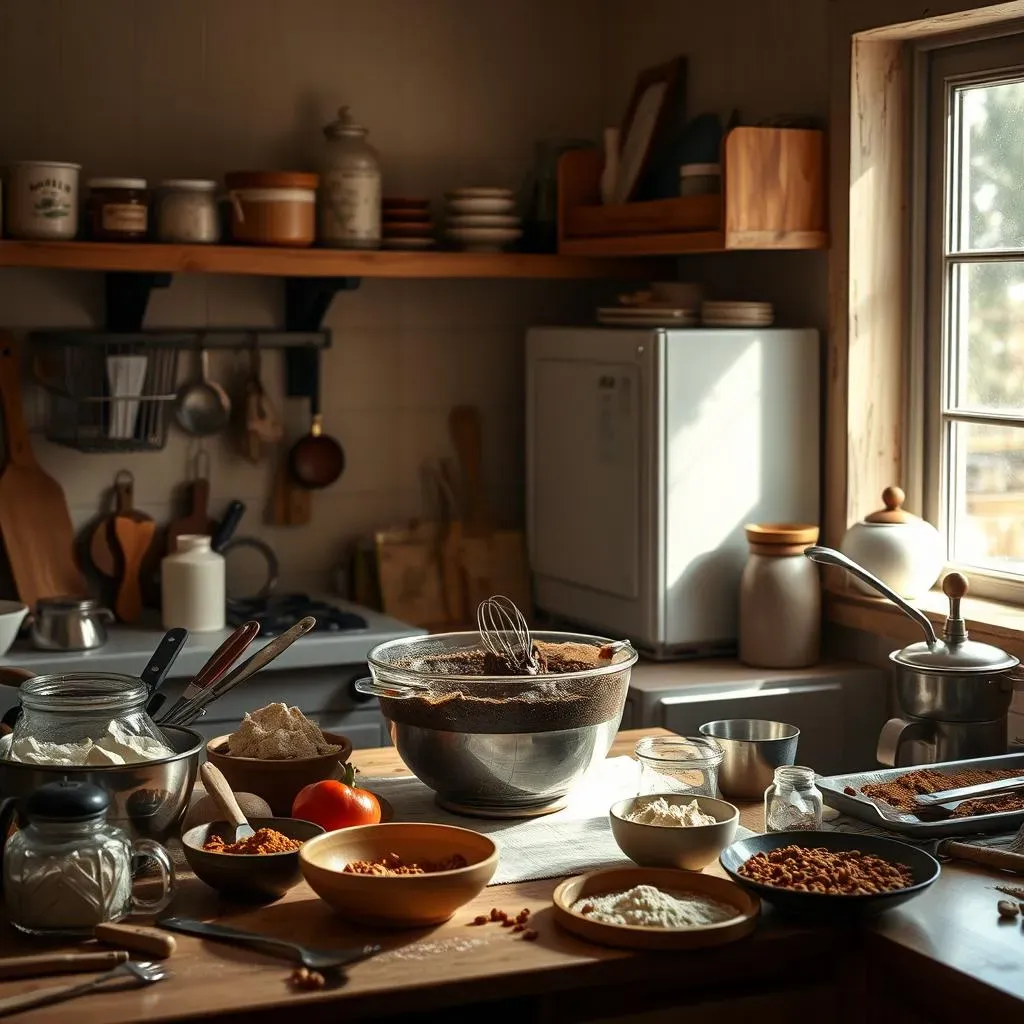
(569, 842)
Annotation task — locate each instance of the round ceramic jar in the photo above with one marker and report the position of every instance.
(780, 598)
(187, 212)
(42, 200)
(902, 550)
(273, 207)
(118, 209)
(350, 201)
(193, 587)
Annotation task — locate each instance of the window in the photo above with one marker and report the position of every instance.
(973, 311)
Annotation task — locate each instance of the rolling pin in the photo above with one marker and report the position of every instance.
(987, 856)
(38, 964)
(136, 939)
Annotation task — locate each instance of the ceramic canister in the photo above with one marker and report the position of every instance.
(899, 548)
(42, 200)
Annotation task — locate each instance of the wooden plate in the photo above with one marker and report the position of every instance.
(598, 883)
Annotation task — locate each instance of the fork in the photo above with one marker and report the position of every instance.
(141, 973)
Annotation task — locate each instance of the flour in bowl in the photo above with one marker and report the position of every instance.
(278, 732)
(650, 907)
(660, 812)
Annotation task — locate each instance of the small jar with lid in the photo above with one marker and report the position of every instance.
(678, 764)
(350, 194)
(187, 212)
(117, 209)
(792, 801)
(901, 549)
(68, 870)
(780, 598)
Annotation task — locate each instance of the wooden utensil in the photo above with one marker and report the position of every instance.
(261, 427)
(136, 938)
(38, 964)
(987, 856)
(37, 531)
(103, 544)
(290, 505)
(198, 520)
(133, 540)
(217, 786)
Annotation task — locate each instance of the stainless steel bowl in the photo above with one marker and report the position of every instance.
(148, 800)
(753, 749)
(497, 745)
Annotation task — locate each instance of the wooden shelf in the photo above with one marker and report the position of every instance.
(313, 263)
(773, 198)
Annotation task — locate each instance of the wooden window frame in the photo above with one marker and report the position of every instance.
(874, 371)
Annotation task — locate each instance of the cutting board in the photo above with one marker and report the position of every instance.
(38, 535)
(198, 520)
(290, 505)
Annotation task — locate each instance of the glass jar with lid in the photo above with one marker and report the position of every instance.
(117, 209)
(187, 212)
(85, 718)
(792, 801)
(68, 870)
(350, 195)
(678, 764)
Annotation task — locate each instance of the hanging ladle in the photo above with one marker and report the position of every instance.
(316, 460)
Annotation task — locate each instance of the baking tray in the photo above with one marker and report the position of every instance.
(906, 824)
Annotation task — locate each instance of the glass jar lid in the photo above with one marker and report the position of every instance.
(677, 753)
(188, 185)
(67, 801)
(129, 184)
(83, 693)
(344, 126)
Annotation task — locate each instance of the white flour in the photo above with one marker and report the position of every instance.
(649, 907)
(660, 812)
(115, 746)
(278, 732)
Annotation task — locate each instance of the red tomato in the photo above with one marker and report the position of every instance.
(334, 804)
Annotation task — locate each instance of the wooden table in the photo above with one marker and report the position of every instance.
(944, 956)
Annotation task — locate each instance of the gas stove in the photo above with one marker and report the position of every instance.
(279, 612)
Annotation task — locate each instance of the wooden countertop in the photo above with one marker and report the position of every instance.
(945, 954)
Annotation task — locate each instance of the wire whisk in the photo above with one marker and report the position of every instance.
(505, 633)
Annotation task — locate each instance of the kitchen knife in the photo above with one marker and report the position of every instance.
(163, 658)
(39, 964)
(226, 530)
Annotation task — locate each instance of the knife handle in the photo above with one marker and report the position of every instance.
(39, 964)
(135, 938)
(987, 856)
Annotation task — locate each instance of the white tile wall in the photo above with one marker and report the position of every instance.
(453, 91)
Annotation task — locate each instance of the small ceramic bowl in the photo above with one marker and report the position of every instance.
(398, 901)
(692, 847)
(278, 781)
(255, 877)
(12, 614)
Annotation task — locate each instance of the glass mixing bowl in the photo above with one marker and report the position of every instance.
(500, 745)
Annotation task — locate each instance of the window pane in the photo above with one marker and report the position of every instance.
(990, 165)
(986, 495)
(986, 367)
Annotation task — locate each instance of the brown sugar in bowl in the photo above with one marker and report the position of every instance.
(278, 781)
(398, 901)
(273, 207)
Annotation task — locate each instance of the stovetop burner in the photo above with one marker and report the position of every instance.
(279, 612)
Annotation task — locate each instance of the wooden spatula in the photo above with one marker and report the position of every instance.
(134, 540)
(37, 531)
(103, 544)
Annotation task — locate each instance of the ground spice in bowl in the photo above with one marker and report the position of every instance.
(264, 840)
(392, 864)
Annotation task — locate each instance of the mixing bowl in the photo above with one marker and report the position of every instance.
(753, 749)
(492, 745)
(148, 800)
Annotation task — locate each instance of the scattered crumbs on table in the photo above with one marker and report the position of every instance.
(1010, 890)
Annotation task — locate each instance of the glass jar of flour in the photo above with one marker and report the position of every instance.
(68, 870)
(350, 187)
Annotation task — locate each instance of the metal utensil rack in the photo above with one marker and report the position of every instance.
(74, 369)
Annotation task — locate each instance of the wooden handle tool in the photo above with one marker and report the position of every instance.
(987, 856)
(134, 540)
(136, 939)
(38, 964)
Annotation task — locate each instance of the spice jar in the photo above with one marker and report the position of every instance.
(187, 211)
(792, 801)
(350, 205)
(678, 764)
(780, 598)
(85, 712)
(68, 870)
(42, 200)
(117, 209)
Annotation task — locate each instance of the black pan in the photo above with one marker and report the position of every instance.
(316, 460)
(923, 866)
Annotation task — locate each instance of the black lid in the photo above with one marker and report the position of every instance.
(67, 801)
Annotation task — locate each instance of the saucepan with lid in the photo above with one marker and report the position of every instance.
(949, 679)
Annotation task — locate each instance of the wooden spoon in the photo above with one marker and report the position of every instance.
(134, 540)
(217, 786)
(103, 544)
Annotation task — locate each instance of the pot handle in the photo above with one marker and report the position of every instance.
(894, 734)
(374, 688)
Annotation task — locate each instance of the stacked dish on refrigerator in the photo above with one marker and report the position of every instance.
(482, 219)
(737, 314)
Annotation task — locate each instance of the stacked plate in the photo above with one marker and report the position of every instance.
(482, 219)
(407, 224)
(646, 316)
(736, 314)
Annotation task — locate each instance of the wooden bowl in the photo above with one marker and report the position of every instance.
(626, 936)
(279, 781)
(398, 901)
(255, 877)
